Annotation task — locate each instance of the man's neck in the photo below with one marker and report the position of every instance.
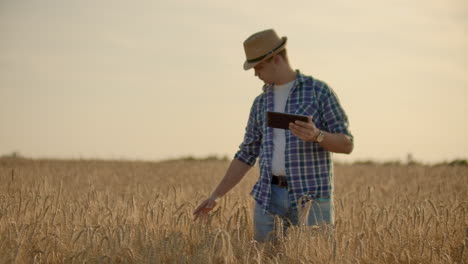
(288, 75)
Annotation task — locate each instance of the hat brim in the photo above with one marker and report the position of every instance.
(250, 65)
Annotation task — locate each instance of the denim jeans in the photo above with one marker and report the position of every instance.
(320, 212)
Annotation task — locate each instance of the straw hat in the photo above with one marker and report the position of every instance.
(261, 46)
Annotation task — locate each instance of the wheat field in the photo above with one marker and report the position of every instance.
(88, 211)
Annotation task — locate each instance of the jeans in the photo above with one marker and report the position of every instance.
(320, 212)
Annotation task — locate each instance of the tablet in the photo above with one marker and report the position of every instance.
(282, 120)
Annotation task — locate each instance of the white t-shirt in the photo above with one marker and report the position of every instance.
(281, 94)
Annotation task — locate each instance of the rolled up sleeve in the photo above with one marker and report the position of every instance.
(334, 115)
(249, 149)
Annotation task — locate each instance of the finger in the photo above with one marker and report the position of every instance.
(307, 125)
(204, 208)
(298, 133)
(301, 128)
(211, 204)
(203, 213)
(304, 134)
(199, 214)
(196, 217)
(200, 207)
(294, 128)
(196, 211)
(201, 217)
(309, 122)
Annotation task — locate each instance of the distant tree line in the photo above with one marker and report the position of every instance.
(410, 161)
(12, 155)
(455, 162)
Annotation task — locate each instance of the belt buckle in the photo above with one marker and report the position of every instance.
(283, 182)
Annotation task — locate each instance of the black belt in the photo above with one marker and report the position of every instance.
(279, 180)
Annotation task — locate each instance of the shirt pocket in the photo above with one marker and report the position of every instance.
(307, 110)
(310, 110)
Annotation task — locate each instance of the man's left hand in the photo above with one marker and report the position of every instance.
(306, 131)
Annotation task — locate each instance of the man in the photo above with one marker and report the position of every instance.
(295, 164)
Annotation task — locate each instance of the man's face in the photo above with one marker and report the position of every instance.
(265, 71)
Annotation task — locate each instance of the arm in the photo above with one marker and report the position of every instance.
(307, 131)
(339, 143)
(243, 160)
(337, 138)
(233, 176)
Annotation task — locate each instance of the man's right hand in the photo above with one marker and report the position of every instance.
(205, 206)
(236, 171)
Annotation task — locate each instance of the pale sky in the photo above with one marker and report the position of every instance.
(155, 79)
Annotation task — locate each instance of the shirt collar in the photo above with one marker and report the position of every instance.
(299, 80)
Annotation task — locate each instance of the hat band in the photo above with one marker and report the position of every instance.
(264, 56)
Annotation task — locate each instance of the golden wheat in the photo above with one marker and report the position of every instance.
(140, 212)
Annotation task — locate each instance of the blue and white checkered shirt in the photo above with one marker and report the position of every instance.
(309, 168)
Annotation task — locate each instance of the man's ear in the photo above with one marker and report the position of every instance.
(278, 59)
(274, 60)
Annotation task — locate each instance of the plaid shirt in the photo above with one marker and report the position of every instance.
(309, 169)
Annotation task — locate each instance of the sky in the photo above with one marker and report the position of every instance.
(156, 79)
